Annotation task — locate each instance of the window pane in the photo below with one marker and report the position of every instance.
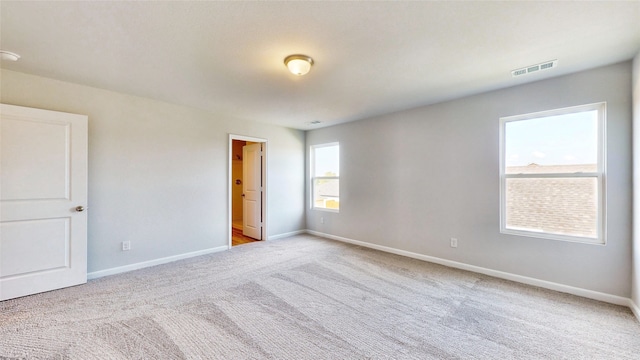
(566, 206)
(550, 144)
(326, 161)
(326, 193)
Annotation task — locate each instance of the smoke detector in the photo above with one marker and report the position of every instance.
(535, 68)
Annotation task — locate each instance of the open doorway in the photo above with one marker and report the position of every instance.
(247, 190)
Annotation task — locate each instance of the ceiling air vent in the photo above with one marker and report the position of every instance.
(535, 68)
(315, 122)
(519, 72)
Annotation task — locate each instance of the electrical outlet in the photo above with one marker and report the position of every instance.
(454, 242)
(126, 245)
(321, 220)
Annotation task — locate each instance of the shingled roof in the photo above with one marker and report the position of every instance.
(554, 205)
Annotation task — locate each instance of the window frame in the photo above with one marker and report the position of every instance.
(313, 176)
(600, 174)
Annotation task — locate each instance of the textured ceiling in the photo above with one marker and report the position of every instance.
(371, 57)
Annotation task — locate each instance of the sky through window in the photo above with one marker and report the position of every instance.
(554, 140)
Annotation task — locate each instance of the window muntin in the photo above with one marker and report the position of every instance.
(325, 177)
(552, 174)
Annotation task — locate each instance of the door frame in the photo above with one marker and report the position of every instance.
(230, 179)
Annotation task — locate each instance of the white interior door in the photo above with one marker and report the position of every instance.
(43, 194)
(252, 191)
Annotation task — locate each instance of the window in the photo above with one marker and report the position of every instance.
(552, 174)
(325, 176)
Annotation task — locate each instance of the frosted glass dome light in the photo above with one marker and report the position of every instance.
(298, 64)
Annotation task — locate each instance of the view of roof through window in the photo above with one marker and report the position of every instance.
(551, 183)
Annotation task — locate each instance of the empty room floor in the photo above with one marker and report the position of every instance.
(306, 297)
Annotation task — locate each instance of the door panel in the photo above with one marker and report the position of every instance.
(43, 244)
(34, 245)
(39, 151)
(252, 190)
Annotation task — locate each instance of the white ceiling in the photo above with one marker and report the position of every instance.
(370, 57)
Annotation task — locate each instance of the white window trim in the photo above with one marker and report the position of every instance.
(600, 175)
(312, 176)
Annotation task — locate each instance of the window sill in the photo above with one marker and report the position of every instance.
(558, 237)
(326, 209)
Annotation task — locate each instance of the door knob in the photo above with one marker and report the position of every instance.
(79, 208)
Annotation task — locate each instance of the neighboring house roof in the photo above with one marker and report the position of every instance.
(556, 205)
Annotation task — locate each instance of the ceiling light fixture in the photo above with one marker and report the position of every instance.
(298, 64)
(8, 55)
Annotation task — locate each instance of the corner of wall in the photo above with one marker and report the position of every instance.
(635, 243)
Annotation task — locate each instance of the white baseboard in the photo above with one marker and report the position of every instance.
(284, 235)
(145, 264)
(595, 295)
(634, 308)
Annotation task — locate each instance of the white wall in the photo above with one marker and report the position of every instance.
(158, 171)
(414, 179)
(636, 182)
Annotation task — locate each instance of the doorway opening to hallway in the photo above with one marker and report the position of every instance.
(247, 190)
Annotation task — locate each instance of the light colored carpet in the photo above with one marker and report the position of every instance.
(310, 298)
